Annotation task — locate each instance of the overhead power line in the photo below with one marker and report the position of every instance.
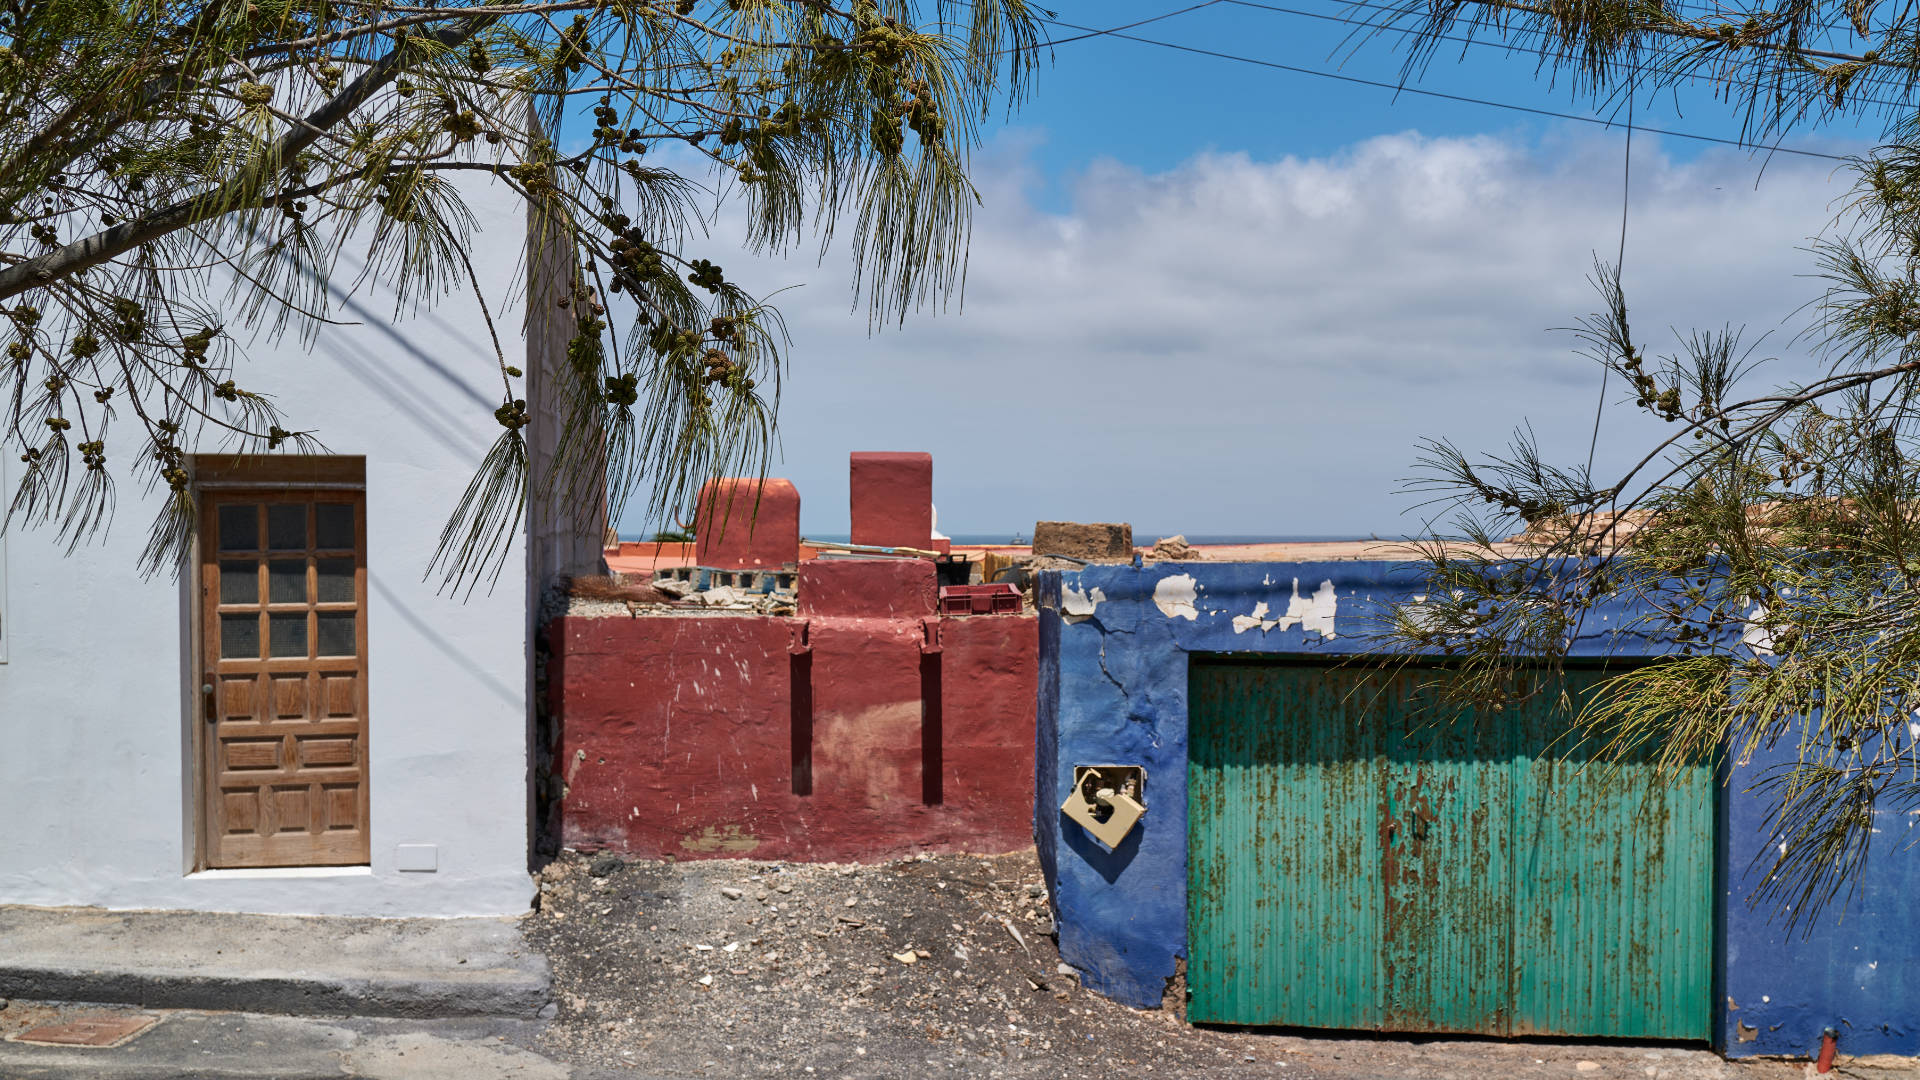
(1480, 41)
(1090, 32)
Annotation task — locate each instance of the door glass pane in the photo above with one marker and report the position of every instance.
(334, 523)
(287, 526)
(287, 581)
(335, 578)
(240, 637)
(240, 527)
(287, 634)
(336, 633)
(239, 581)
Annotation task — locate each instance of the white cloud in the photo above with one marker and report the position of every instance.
(1248, 346)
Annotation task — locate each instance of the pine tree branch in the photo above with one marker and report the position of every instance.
(110, 243)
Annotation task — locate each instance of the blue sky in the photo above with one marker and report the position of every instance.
(1208, 297)
(1154, 106)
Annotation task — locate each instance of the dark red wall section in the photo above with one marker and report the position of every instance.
(868, 588)
(679, 734)
(891, 499)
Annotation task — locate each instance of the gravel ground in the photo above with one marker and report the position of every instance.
(929, 966)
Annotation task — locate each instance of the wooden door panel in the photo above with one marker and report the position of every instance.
(284, 655)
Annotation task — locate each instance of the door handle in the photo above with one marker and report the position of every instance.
(206, 699)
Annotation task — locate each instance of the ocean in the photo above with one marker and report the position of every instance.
(1140, 536)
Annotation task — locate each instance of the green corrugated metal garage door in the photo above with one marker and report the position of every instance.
(1354, 864)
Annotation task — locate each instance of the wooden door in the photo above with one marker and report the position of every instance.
(1355, 863)
(284, 662)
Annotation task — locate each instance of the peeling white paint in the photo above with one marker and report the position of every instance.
(1244, 623)
(1313, 614)
(1174, 597)
(1756, 636)
(1077, 606)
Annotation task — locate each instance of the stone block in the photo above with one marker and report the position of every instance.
(1096, 541)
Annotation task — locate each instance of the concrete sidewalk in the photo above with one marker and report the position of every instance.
(189, 1045)
(272, 964)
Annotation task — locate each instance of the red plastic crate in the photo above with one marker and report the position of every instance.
(998, 598)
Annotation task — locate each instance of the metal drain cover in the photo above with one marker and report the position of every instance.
(102, 1031)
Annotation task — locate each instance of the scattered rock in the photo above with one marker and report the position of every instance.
(1586, 1066)
(1175, 549)
(908, 957)
(731, 893)
(604, 865)
(1036, 891)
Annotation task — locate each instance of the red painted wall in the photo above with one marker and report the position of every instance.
(877, 588)
(891, 499)
(677, 734)
(747, 524)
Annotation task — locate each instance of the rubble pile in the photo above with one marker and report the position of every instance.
(731, 968)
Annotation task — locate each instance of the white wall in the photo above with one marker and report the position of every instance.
(95, 800)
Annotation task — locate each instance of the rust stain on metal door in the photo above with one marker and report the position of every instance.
(1355, 864)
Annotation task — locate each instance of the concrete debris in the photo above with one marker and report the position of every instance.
(1015, 931)
(1050, 562)
(908, 957)
(731, 893)
(775, 604)
(1175, 549)
(676, 589)
(725, 596)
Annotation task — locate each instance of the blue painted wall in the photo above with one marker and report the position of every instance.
(1858, 969)
(1114, 689)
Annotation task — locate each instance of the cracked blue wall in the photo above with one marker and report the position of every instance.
(1114, 689)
